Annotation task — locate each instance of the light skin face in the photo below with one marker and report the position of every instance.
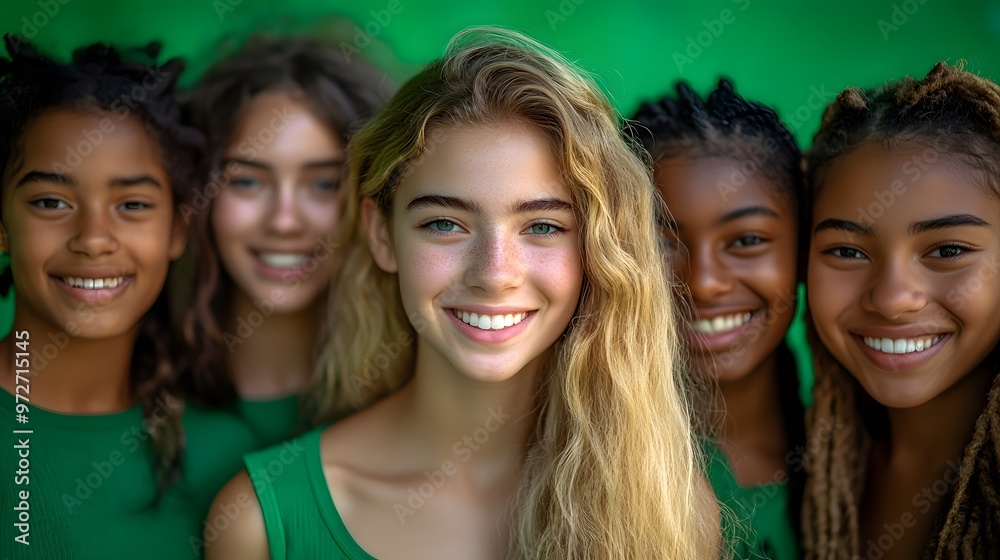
(734, 252)
(915, 264)
(483, 224)
(275, 220)
(107, 221)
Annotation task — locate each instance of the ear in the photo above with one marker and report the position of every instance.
(178, 238)
(377, 230)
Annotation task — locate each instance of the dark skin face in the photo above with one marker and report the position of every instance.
(734, 251)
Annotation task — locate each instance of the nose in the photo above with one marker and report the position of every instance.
(704, 273)
(95, 234)
(285, 216)
(896, 290)
(494, 262)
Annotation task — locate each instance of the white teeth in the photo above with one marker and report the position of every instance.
(721, 323)
(489, 322)
(901, 345)
(93, 283)
(283, 260)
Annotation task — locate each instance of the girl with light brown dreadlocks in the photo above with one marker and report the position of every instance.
(904, 182)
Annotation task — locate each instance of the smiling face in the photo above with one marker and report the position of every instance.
(90, 244)
(275, 220)
(485, 243)
(734, 252)
(903, 280)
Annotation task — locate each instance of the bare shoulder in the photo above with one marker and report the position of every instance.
(235, 527)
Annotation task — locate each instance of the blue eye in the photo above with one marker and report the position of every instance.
(747, 241)
(50, 204)
(244, 183)
(846, 253)
(443, 226)
(326, 185)
(543, 229)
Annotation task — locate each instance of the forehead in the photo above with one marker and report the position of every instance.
(695, 188)
(80, 143)
(493, 164)
(897, 187)
(282, 125)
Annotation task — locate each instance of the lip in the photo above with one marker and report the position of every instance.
(283, 274)
(491, 336)
(900, 362)
(713, 312)
(103, 296)
(720, 342)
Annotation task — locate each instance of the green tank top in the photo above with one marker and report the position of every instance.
(92, 484)
(760, 525)
(272, 421)
(300, 518)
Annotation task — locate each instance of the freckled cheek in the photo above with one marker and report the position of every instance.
(557, 273)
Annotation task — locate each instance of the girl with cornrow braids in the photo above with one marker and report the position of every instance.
(904, 454)
(107, 463)
(729, 172)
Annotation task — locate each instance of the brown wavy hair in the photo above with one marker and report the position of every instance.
(344, 92)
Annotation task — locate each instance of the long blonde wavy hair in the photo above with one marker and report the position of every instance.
(611, 469)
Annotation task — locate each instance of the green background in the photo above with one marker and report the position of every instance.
(791, 54)
(787, 53)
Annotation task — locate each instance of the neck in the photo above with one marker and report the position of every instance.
(937, 432)
(485, 425)
(67, 374)
(270, 356)
(753, 410)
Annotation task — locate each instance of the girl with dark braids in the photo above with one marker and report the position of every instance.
(729, 172)
(904, 183)
(110, 464)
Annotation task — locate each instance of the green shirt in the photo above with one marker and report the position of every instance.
(300, 518)
(92, 484)
(272, 421)
(759, 526)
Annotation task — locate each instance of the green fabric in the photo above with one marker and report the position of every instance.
(758, 525)
(299, 515)
(272, 421)
(92, 484)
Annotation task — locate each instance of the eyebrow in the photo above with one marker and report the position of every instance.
(335, 162)
(60, 179)
(523, 207)
(748, 211)
(955, 220)
(844, 225)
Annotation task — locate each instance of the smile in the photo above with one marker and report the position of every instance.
(721, 323)
(93, 283)
(901, 345)
(283, 260)
(489, 322)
